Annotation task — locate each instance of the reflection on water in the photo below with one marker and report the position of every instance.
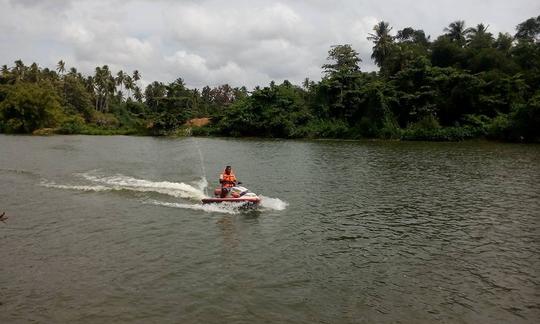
(350, 232)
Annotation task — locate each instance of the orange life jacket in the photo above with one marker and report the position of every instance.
(227, 179)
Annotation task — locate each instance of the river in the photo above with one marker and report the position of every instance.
(110, 229)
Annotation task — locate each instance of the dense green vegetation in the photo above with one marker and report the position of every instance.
(466, 83)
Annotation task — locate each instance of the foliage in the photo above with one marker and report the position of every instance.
(274, 111)
(72, 125)
(27, 107)
(464, 83)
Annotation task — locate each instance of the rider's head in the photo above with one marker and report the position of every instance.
(228, 169)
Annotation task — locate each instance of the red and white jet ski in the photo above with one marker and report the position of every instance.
(236, 194)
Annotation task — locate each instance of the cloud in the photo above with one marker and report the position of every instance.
(240, 42)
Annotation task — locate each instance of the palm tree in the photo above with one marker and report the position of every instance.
(456, 32)
(305, 83)
(136, 75)
(129, 85)
(120, 78)
(383, 42)
(97, 85)
(480, 29)
(478, 36)
(104, 86)
(137, 93)
(61, 67)
(107, 87)
(19, 70)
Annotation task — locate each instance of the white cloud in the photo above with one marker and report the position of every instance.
(241, 42)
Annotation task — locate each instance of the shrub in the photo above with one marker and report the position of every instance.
(72, 125)
(325, 129)
(499, 128)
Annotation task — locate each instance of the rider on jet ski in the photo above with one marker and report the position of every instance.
(227, 180)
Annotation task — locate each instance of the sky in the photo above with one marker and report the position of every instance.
(239, 42)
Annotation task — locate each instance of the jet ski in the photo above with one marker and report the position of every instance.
(236, 194)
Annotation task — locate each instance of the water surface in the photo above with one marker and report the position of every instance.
(109, 229)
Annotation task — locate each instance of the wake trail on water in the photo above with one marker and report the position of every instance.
(119, 182)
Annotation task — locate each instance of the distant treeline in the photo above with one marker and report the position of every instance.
(467, 83)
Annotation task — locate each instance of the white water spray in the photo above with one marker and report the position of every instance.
(203, 169)
(273, 203)
(101, 183)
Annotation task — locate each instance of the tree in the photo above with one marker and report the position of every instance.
(154, 94)
(503, 42)
(137, 93)
(478, 37)
(128, 82)
(274, 111)
(19, 70)
(73, 71)
(120, 79)
(456, 32)
(341, 75)
(413, 36)
(344, 59)
(529, 30)
(136, 76)
(383, 42)
(445, 52)
(104, 86)
(78, 99)
(61, 67)
(29, 106)
(33, 73)
(173, 110)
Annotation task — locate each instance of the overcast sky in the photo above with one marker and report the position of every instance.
(240, 42)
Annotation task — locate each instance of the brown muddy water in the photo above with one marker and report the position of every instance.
(110, 229)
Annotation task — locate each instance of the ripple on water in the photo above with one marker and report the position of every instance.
(361, 232)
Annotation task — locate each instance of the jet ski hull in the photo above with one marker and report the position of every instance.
(249, 200)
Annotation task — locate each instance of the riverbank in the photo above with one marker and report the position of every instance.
(451, 134)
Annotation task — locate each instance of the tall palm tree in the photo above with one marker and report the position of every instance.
(137, 93)
(129, 85)
(120, 78)
(98, 85)
(456, 31)
(107, 87)
(136, 75)
(383, 42)
(61, 67)
(102, 85)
